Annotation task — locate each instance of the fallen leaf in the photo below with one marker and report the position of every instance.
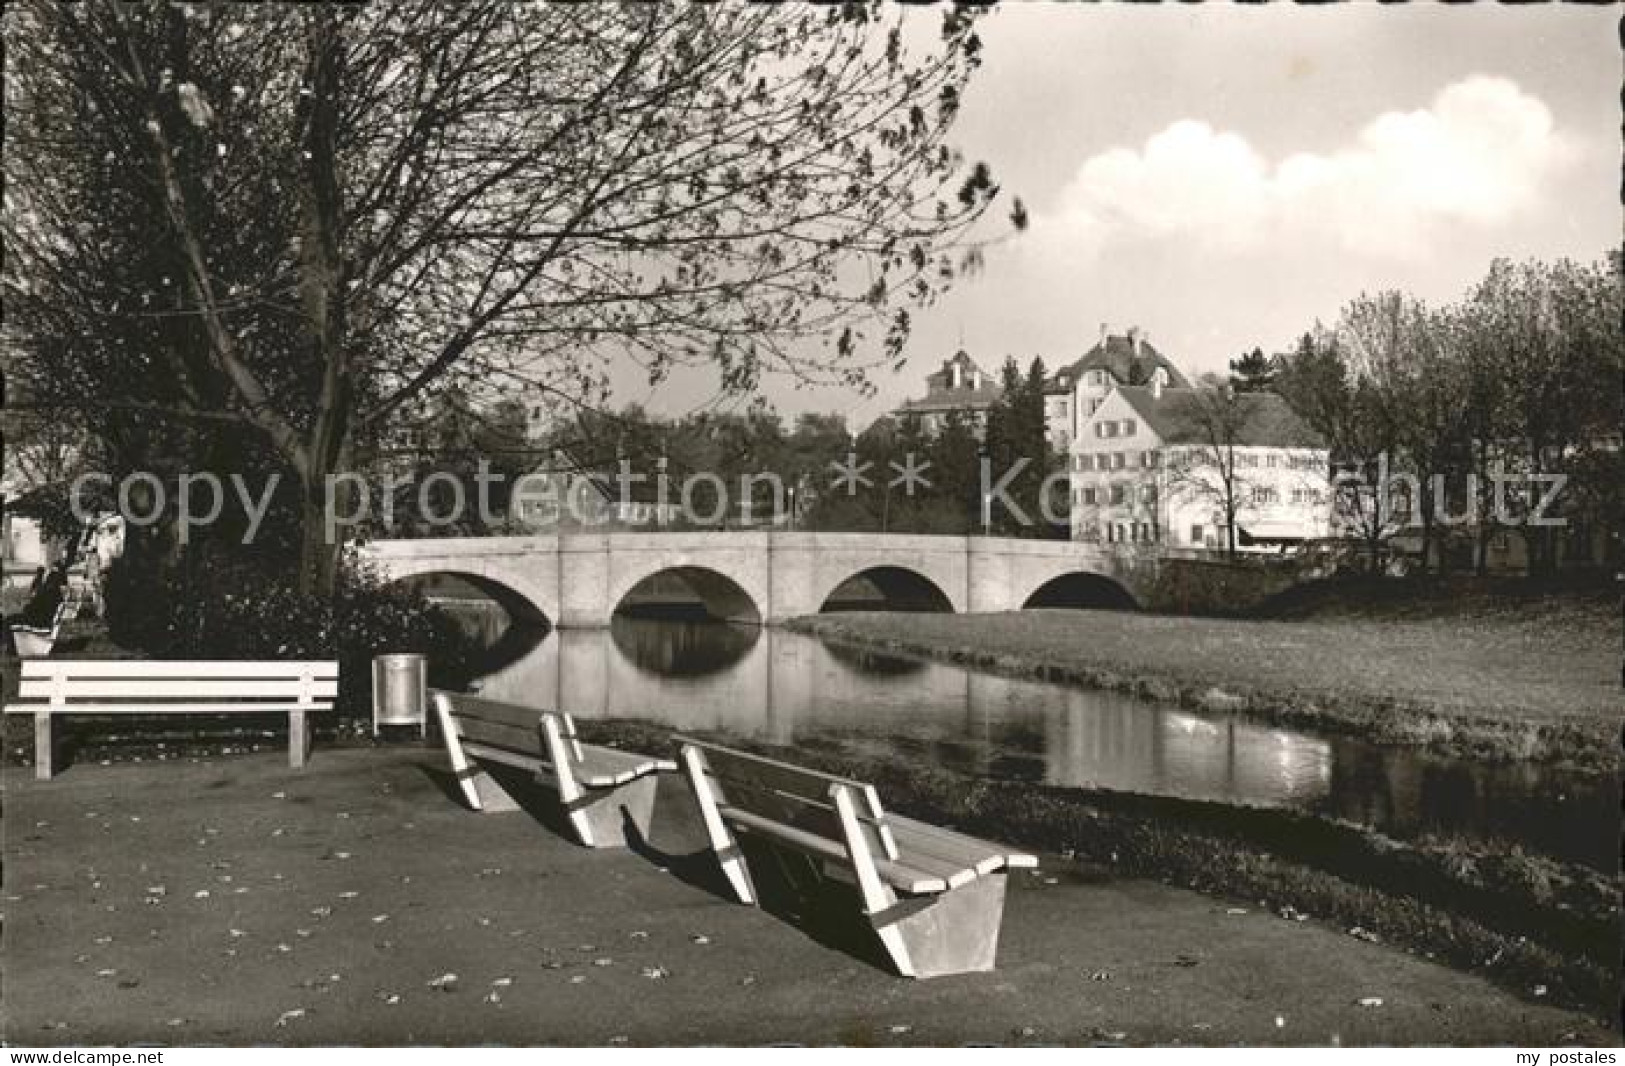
(656, 973)
(1371, 1001)
(288, 1016)
(446, 982)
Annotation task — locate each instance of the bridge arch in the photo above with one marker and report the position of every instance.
(447, 583)
(718, 595)
(1081, 590)
(887, 587)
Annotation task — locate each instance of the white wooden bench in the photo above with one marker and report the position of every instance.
(50, 689)
(603, 791)
(934, 897)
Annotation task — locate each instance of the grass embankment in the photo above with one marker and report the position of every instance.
(1493, 677)
(1546, 931)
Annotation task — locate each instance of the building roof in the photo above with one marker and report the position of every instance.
(941, 395)
(1264, 419)
(956, 400)
(1129, 359)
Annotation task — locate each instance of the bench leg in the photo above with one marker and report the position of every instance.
(44, 747)
(298, 739)
(954, 932)
(611, 814)
(491, 798)
(723, 843)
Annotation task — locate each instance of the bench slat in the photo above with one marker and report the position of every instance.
(952, 872)
(730, 763)
(496, 734)
(920, 838)
(174, 688)
(611, 780)
(508, 714)
(168, 707)
(506, 757)
(146, 668)
(903, 878)
(1014, 860)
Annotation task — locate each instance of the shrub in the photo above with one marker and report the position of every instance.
(226, 609)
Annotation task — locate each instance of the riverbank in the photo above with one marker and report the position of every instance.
(1546, 931)
(1533, 685)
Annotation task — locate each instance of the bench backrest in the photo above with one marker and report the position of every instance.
(142, 684)
(794, 796)
(510, 727)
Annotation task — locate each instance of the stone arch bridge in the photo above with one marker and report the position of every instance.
(579, 579)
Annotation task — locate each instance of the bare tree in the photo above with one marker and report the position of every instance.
(1206, 464)
(351, 207)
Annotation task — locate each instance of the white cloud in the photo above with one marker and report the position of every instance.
(1478, 154)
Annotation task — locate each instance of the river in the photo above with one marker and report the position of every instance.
(778, 687)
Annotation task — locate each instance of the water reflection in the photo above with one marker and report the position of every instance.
(776, 686)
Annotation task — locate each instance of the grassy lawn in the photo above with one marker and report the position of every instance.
(1541, 681)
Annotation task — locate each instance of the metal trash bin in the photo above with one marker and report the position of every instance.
(400, 691)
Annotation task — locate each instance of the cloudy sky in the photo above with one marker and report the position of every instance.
(1224, 176)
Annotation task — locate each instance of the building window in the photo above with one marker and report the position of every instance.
(1089, 495)
(1128, 427)
(1196, 535)
(1262, 496)
(1119, 494)
(1119, 460)
(1148, 494)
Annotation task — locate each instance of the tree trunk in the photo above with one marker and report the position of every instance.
(322, 291)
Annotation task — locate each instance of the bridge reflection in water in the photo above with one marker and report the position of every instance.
(777, 686)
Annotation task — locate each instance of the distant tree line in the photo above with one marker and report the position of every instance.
(1519, 382)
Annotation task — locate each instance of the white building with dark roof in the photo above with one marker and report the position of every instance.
(1075, 391)
(959, 386)
(1160, 467)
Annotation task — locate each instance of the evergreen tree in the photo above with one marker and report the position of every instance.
(1253, 372)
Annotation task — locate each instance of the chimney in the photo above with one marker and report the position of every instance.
(959, 371)
(1104, 326)
(1134, 339)
(1157, 377)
